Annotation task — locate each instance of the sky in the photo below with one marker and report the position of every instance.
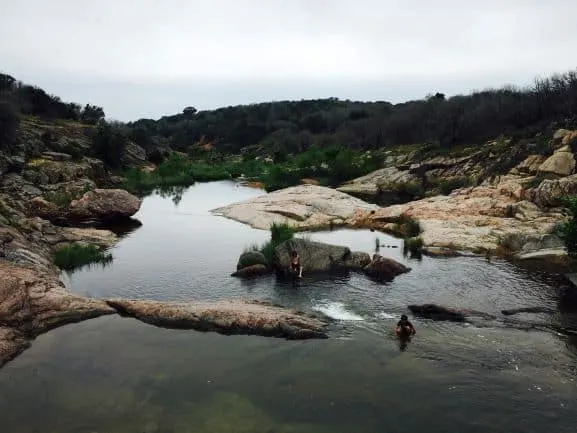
(148, 58)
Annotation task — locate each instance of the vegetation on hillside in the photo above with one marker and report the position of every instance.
(325, 139)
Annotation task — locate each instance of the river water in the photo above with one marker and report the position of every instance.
(116, 374)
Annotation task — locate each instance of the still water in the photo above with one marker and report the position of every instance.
(119, 375)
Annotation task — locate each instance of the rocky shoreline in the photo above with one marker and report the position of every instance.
(513, 214)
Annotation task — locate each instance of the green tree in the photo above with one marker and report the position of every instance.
(9, 121)
(109, 143)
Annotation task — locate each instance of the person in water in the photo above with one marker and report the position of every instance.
(296, 266)
(404, 327)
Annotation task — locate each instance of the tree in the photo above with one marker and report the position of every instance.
(9, 121)
(91, 114)
(109, 143)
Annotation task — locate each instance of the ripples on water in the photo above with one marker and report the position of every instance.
(119, 375)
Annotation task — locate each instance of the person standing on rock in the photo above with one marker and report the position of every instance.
(296, 266)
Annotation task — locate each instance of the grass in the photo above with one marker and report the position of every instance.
(75, 256)
(408, 226)
(330, 166)
(414, 246)
(446, 186)
(279, 233)
(64, 198)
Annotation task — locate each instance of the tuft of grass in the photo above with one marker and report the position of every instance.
(75, 256)
(281, 232)
(414, 246)
(408, 226)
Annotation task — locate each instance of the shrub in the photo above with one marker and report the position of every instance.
(74, 256)
(567, 230)
(279, 233)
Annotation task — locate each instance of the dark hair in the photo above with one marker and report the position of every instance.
(293, 253)
(404, 317)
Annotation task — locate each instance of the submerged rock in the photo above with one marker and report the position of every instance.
(535, 310)
(436, 312)
(225, 317)
(104, 204)
(318, 257)
(303, 207)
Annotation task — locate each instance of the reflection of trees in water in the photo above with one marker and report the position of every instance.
(174, 192)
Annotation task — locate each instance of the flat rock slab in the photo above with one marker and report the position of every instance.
(12, 343)
(303, 207)
(225, 317)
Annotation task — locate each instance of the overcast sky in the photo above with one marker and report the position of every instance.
(147, 58)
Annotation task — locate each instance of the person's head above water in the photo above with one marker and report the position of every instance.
(294, 254)
(404, 318)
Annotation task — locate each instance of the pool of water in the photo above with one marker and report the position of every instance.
(115, 374)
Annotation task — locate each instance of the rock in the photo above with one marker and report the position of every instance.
(530, 166)
(441, 252)
(12, 343)
(104, 205)
(33, 301)
(251, 271)
(134, 155)
(550, 193)
(225, 317)
(436, 312)
(317, 257)
(384, 268)
(544, 254)
(470, 219)
(303, 207)
(389, 182)
(561, 163)
(513, 311)
(44, 209)
(250, 258)
(56, 156)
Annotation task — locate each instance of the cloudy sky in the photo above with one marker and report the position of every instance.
(147, 58)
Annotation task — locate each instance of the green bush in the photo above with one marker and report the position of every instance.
(567, 230)
(75, 256)
(279, 233)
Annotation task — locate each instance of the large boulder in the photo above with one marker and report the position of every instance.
(318, 257)
(134, 155)
(550, 193)
(384, 268)
(561, 163)
(529, 166)
(104, 204)
(226, 317)
(388, 184)
(303, 206)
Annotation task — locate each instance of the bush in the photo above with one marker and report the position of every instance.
(567, 230)
(279, 233)
(446, 186)
(74, 256)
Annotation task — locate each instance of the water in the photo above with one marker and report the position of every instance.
(119, 375)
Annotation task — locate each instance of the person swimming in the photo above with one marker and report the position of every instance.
(405, 328)
(296, 266)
